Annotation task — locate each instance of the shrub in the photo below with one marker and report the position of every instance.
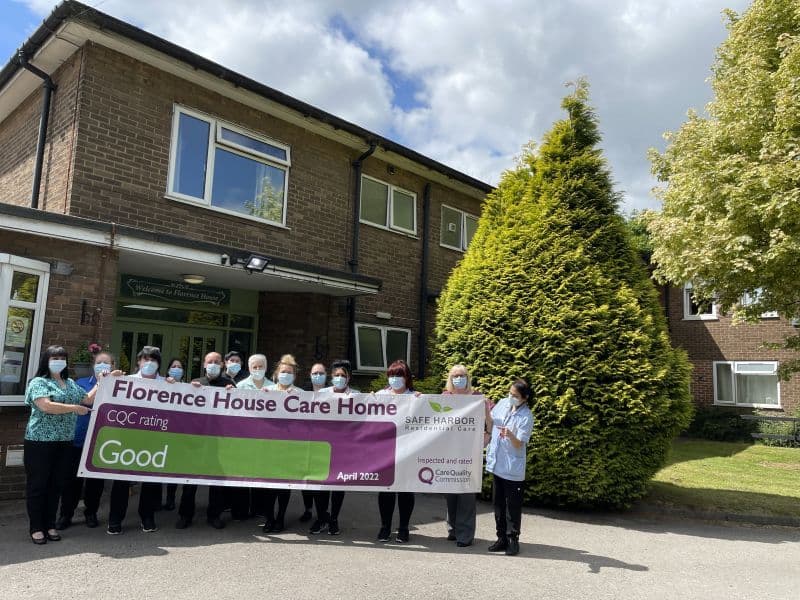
(552, 290)
(720, 425)
(788, 429)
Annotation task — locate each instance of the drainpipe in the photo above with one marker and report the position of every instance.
(422, 342)
(353, 262)
(48, 88)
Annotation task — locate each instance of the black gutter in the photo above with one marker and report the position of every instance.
(353, 262)
(174, 240)
(422, 342)
(48, 87)
(70, 9)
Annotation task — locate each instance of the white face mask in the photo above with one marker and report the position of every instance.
(213, 370)
(234, 368)
(101, 367)
(286, 378)
(339, 382)
(149, 367)
(397, 383)
(459, 382)
(56, 365)
(258, 374)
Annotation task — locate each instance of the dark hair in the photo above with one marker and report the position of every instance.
(524, 389)
(172, 360)
(107, 353)
(233, 353)
(150, 352)
(400, 368)
(44, 360)
(344, 364)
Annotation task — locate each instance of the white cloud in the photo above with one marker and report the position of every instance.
(487, 76)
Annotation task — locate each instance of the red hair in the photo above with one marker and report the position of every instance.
(399, 368)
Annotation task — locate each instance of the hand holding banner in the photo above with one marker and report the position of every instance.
(147, 430)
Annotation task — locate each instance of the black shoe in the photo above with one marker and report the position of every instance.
(499, 546)
(63, 523)
(39, 541)
(91, 520)
(216, 523)
(451, 537)
(513, 547)
(277, 527)
(53, 537)
(149, 525)
(318, 527)
(402, 536)
(333, 527)
(114, 529)
(305, 517)
(384, 535)
(182, 523)
(169, 505)
(463, 544)
(267, 526)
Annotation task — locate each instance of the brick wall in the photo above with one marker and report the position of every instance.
(721, 340)
(19, 133)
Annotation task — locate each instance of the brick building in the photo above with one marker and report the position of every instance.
(185, 206)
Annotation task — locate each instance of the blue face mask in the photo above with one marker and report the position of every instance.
(318, 378)
(149, 367)
(397, 383)
(339, 382)
(56, 365)
(234, 368)
(286, 378)
(213, 370)
(100, 368)
(176, 372)
(459, 382)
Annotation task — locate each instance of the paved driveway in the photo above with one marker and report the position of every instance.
(563, 556)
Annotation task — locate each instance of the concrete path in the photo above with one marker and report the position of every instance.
(563, 556)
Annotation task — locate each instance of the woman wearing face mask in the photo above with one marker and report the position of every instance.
(284, 377)
(89, 488)
(257, 366)
(233, 366)
(319, 377)
(149, 362)
(55, 401)
(461, 507)
(400, 383)
(341, 372)
(512, 425)
(175, 372)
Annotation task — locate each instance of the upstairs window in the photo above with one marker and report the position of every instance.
(378, 346)
(697, 308)
(751, 298)
(458, 228)
(219, 166)
(387, 206)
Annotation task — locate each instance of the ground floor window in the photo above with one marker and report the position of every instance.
(23, 300)
(378, 346)
(747, 383)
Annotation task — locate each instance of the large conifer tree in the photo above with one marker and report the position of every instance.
(552, 290)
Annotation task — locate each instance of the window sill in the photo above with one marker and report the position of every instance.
(759, 406)
(453, 248)
(708, 318)
(223, 211)
(413, 236)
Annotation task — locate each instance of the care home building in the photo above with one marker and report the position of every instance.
(150, 196)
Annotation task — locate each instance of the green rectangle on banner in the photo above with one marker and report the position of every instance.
(149, 451)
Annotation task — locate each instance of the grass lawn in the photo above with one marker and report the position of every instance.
(730, 477)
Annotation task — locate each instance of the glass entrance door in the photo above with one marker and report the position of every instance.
(130, 338)
(192, 345)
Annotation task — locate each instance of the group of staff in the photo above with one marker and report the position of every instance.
(59, 421)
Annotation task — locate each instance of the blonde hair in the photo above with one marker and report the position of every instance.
(286, 359)
(451, 388)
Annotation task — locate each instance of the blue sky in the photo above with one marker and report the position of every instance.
(466, 83)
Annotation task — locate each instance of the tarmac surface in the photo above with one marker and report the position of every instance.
(563, 555)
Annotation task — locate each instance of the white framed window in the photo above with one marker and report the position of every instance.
(749, 298)
(387, 206)
(222, 167)
(457, 228)
(747, 383)
(697, 309)
(378, 346)
(23, 299)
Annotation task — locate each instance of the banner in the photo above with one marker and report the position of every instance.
(146, 430)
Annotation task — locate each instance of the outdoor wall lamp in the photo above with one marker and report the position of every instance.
(253, 263)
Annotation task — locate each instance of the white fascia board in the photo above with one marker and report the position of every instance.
(59, 231)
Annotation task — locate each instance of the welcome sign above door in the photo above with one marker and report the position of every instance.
(132, 286)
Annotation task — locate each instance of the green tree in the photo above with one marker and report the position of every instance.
(551, 289)
(268, 202)
(730, 222)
